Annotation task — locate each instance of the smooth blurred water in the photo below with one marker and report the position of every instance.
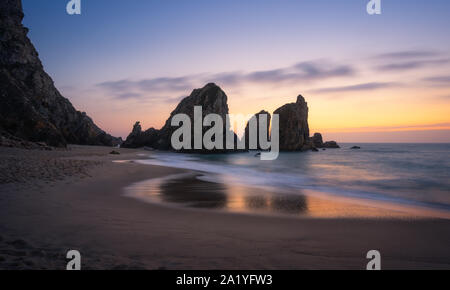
(411, 174)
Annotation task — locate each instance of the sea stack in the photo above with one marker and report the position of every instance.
(294, 128)
(139, 138)
(211, 98)
(317, 141)
(247, 131)
(31, 108)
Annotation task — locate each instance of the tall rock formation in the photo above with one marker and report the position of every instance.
(31, 108)
(212, 100)
(247, 130)
(317, 140)
(293, 126)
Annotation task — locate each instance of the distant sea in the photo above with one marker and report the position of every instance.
(415, 175)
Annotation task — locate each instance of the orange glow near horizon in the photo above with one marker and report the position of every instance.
(338, 115)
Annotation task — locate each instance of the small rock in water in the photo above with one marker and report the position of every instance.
(331, 144)
(258, 154)
(315, 149)
(355, 147)
(114, 152)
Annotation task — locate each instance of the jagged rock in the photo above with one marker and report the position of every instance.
(31, 108)
(331, 144)
(213, 101)
(294, 129)
(317, 140)
(247, 132)
(308, 145)
(138, 138)
(293, 124)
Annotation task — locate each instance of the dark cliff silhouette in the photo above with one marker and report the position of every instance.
(31, 108)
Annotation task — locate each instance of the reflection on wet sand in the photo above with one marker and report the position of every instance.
(191, 190)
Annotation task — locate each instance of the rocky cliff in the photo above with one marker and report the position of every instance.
(293, 124)
(212, 100)
(31, 108)
(294, 128)
(139, 138)
(247, 131)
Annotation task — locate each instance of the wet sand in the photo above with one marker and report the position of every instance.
(77, 202)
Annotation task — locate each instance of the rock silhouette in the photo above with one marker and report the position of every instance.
(139, 138)
(212, 100)
(293, 124)
(317, 141)
(31, 108)
(294, 128)
(247, 131)
(331, 144)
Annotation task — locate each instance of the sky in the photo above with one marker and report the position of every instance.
(366, 78)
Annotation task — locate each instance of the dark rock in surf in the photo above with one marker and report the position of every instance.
(317, 140)
(331, 144)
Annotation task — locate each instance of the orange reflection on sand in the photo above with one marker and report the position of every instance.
(187, 190)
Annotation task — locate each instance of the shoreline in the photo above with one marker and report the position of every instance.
(40, 223)
(324, 205)
(363, 207)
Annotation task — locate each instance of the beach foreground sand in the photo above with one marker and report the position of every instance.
(54, 201)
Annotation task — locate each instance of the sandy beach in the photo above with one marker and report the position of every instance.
(55, 201)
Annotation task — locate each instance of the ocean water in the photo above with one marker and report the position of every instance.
(401, 174)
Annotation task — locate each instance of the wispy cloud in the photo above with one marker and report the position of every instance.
(358, 87)
(299, 72)
(438, 79)
(149, 89)
(399, 61)
(407, 54)
(409, 65)
(303, 71)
